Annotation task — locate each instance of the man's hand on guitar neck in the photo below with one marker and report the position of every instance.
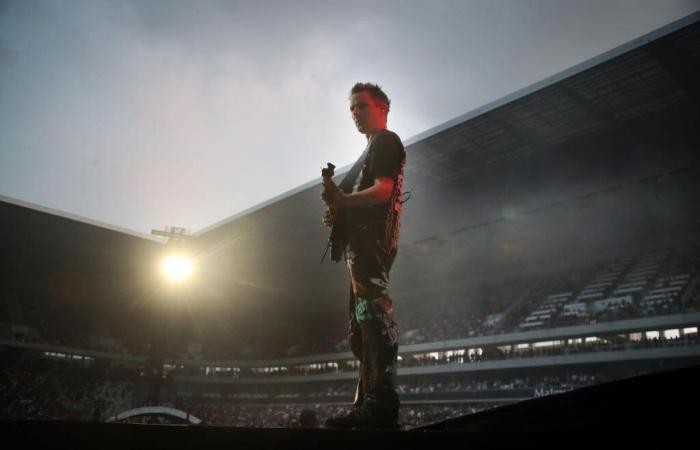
(332, 195)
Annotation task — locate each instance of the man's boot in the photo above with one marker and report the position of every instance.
(351, 419)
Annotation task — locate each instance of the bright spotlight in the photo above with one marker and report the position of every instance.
(177, 267)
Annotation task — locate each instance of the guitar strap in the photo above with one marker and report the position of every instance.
(349, 181)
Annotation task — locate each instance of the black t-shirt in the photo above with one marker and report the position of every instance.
(386, 157)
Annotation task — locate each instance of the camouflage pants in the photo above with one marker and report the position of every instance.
(372, 333)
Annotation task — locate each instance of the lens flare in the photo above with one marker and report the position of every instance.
(177, 267)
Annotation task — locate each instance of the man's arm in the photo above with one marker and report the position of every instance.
(376, 194)
(379, 192)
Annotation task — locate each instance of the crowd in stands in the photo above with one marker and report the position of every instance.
(40, 388)
(28, 394)
(288, 416)
(344, 389)
(620, 312)
(565, 381)
(46, 389)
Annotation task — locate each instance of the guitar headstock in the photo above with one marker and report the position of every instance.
(328, 172)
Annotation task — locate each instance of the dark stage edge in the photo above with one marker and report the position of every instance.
(659, 408)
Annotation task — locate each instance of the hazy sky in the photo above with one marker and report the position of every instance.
(151, 113)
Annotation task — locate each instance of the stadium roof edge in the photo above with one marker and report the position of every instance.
(77, 218)
(580, 67)
(566, 73)
(267, 202)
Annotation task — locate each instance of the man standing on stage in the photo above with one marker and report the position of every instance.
(373, 203)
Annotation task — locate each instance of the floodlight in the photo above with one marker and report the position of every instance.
(177, 267)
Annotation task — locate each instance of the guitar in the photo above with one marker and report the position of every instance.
(339, 231)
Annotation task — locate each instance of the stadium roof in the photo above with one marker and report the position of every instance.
(653, 72)
(77, 218)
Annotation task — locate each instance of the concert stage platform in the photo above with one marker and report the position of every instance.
(660, 407)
